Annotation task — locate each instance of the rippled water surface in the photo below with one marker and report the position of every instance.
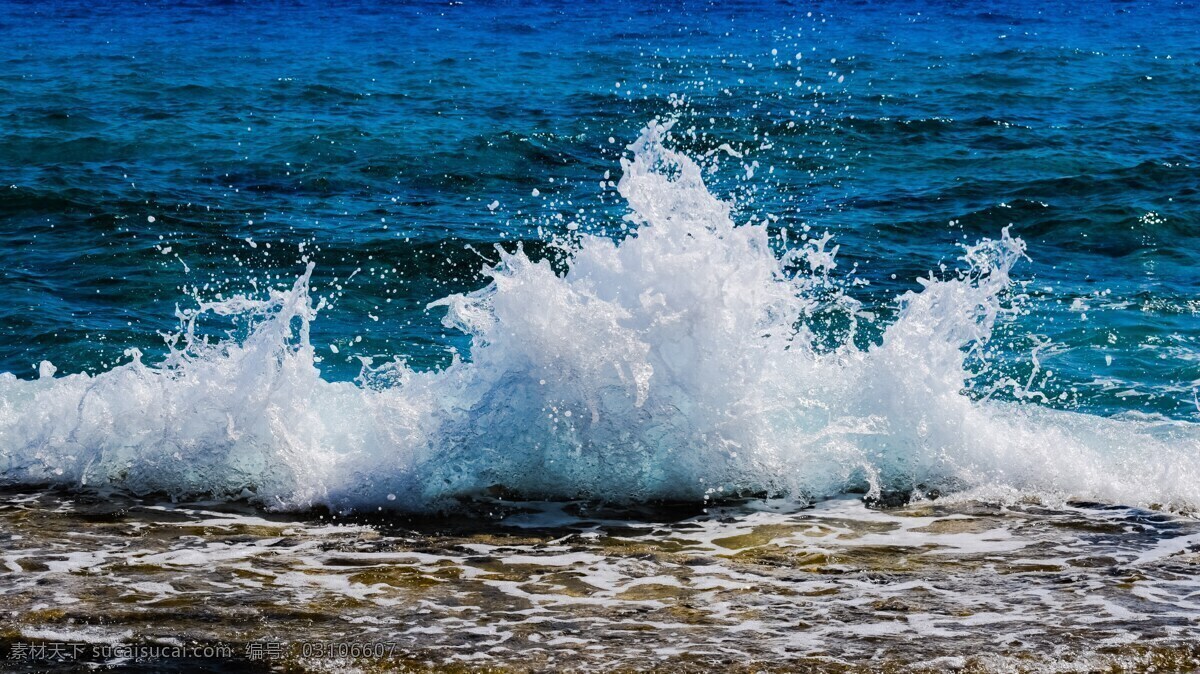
(380, 135)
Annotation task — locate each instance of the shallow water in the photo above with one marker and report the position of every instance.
(757, 585)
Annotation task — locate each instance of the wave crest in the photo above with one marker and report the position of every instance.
(673, 364)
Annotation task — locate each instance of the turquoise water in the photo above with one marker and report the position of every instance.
(155, 156)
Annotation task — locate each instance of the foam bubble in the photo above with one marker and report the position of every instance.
(673, 364)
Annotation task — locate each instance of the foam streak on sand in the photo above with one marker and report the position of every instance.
(667, 365)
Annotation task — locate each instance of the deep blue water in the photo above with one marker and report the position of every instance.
(153, 150)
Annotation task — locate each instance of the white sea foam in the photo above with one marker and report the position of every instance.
(667, 365)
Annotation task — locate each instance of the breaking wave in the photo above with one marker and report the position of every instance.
(673, 364)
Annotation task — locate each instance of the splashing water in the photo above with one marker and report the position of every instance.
(673, 364)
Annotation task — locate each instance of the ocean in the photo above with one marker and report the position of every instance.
(537, 335)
